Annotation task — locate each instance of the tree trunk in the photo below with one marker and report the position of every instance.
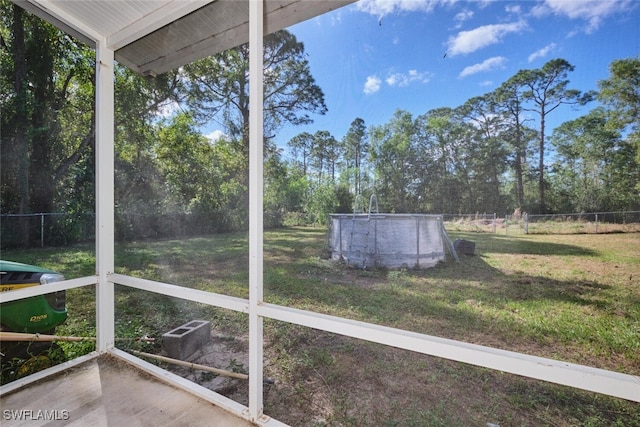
(21, 122)
(42, 188)
(519, 179)
(542, 208)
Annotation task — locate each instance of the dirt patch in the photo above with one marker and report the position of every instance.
(222, 352)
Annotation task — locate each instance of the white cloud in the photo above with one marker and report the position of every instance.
(593, 12)
(463, 16)
(382, 8)
(336, 18)
(541, 53)
(487, 65)
(513, 9)
(395, 79)
(215, 135)
(331, 19)
(168, 109)
(372, 85)
(405, 79)
(478, 38)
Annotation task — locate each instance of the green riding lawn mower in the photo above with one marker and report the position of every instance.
(34, 315)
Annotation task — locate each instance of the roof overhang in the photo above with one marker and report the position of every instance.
(154, 36)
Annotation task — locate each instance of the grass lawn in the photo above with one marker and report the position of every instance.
(569, 297)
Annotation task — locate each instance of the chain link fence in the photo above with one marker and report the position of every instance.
(478, 223)
(582, 223)
(59, 229)
(572, 223)
(45, 229)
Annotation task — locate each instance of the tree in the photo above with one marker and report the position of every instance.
(486, 151)
(50, 74)
(48, 130)
(219, 87)
(181, 151)
(326, 198)
(302, 145)
(583, 171)
(508, 102)
(285, 192)
(392, 153)
(442, 166)
(356, 146)
(204, 178)
(324, 154)
(15, 147)
(621, 93)
(334, 151)
(139, 186)
(546, 89)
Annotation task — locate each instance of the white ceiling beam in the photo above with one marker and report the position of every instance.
(57, 16)
(160, 17)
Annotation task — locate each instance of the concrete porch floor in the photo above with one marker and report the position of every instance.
(108, 391)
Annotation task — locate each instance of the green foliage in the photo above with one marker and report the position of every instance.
(325, 198)
(204, 178)
(595, 166)
(391, 156)
(301, 147)
(219, 87)
(285, 191)
(356, 147)
(479, 157)
(544, 90)
(171, 181)
(46, 118)
(235, 366)
(621, 93)
(26, 358)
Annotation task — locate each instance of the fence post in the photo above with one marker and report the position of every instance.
(41, 230)
(526, 223)
(494, 222)
(596, 223)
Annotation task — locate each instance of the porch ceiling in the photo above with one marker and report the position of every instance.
(155, 36)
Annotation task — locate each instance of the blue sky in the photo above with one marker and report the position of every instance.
(376, 56)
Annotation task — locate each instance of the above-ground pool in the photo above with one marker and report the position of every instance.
(387, 240)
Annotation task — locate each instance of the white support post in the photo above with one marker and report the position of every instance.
(104, 195)
(256, 181)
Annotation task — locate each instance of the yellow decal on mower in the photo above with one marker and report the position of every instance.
(14, 286)
(38, 318)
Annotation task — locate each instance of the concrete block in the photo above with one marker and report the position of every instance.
(464, 247)
(185, 340)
